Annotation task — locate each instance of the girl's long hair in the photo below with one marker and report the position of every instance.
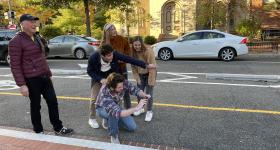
(105, 39)
(143, 47)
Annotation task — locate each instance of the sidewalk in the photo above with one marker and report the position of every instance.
(24, 139)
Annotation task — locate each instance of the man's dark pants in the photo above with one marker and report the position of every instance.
(38, 86)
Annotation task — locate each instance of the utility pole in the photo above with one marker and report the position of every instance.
(9, 2)
(11, 20)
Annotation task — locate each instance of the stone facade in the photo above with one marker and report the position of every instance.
(170, 18)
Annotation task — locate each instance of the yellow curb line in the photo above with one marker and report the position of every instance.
(171, 105)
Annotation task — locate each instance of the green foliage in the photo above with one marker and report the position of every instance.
(69, 20)
(272, 5)
(249, 28)
(56, 4)
(208, 11)
(218, 12)
(115, 15)
(3, 21)
(109, 3)
(150, 40)
(49, 32)
(97, 33)
(100, 18)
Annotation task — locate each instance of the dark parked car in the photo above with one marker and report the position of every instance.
(5, 37)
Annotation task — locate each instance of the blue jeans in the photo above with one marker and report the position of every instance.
(114, 123)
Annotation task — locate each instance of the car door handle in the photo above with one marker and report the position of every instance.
(195, 44)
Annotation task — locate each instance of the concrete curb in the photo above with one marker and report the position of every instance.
(68, 140)
(244, 77)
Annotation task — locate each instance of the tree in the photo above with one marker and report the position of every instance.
(69, 20)
(249, 27)
(277, 4)
(49, 32)
(3, 21)
(100, 18)
(272, 5)
(213, 17)
(97, 3)
(222, 13)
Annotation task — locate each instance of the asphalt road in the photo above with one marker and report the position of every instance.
(190, 110)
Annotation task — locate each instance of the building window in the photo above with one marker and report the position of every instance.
(168, 17)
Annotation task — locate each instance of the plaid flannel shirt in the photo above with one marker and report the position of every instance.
(111, 100)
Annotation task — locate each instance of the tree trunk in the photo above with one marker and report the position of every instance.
(227, 19)
(87, 17)
(127, 24)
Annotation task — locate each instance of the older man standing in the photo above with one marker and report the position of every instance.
(32, 74)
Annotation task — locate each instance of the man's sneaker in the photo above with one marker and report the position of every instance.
(64, 131)
(137, 113)
(149, 116)
(93, 123)
(115, 140)
(105, 124)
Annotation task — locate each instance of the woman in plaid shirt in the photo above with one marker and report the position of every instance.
(108, 104)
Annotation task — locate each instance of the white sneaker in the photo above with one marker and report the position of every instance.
(115, 140)
(93, 123)
(137, 113)
(149, 116)
(105, 124)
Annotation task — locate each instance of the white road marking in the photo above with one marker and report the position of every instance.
(228, 84)
(263, 62)
(182, 76)
(7, 85)
(83, 66)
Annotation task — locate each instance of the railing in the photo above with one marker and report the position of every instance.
(264, 46)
